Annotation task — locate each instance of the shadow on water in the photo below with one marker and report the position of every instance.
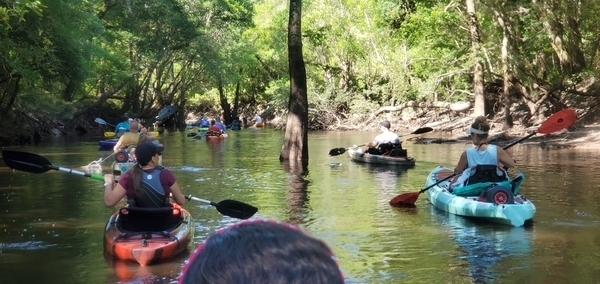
(482, 247)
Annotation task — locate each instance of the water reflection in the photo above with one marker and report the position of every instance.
(483, 247)
(296, 195)
(129, 272)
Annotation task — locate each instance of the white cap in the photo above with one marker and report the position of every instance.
(476, 131)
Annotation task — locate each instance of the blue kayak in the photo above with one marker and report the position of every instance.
(498, 203)
(107, 144)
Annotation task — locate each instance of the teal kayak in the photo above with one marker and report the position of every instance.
(497, 203)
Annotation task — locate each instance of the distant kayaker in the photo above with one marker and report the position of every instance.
(204, 122)
(214, 128)
(383, 142)
(482, 153)
(262, 251)
(256, 120)
(220, 124)
(147, 184)
(128, 138)
(123, 126)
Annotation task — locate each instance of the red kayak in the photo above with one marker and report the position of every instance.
(148, 235)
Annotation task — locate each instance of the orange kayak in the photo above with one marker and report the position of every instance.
(148, 235)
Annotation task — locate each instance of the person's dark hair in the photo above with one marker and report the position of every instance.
(261, 251)
(481, 124)
(212, 122)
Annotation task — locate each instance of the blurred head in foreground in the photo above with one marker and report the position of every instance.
(261, 251)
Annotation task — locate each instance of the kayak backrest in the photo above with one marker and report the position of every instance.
(487, 173)
(137, 219)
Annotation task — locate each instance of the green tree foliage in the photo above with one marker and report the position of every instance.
(71, 57)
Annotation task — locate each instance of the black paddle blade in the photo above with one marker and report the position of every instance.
(25, 161)
(235, 209)
(337, 151)
(422, 130)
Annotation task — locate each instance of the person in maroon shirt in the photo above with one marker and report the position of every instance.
(147, 184)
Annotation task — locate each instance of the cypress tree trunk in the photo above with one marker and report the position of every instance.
(295, 144)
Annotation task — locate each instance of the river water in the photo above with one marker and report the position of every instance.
(51, 224)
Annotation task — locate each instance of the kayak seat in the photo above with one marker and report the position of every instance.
(487, 173)
(389, 149)
(139, 219)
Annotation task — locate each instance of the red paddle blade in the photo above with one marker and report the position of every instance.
(558, 121)
(405, 199)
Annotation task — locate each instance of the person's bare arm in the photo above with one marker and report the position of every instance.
(505, 159)
(112, 195)
(177, 195)
(462, 163)
(118, 145)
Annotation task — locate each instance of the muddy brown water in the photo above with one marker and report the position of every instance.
(51, 224)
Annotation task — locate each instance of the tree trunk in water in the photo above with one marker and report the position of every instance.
(224, 104)
(479, 106)
(236, 103)
(295, 143)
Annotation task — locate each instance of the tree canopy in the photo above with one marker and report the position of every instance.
(73, 58)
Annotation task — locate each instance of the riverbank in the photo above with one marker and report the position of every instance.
(585, 137)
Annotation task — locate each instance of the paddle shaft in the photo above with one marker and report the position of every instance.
(202, 200)
(72, 171)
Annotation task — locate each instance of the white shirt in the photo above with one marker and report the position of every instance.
(387, 137)
(257, 119)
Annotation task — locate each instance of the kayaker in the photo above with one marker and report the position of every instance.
(204, 122)
(261, 251)
(256, 120)
(482, 153)
(383, 142)
(219, 124)
(128, 138)
(214, 128)
(147, 184)
(123, 126)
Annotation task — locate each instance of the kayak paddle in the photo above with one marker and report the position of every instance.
(558, 121)
(102, 122)
(339, 151)
(32, 163)
(228, 207)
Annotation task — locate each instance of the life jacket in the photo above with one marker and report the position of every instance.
(151, 193)
(204, 123)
